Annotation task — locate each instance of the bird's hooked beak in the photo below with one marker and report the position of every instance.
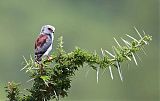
(51, 30)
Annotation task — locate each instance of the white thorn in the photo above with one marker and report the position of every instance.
(138, 32)
(132, 37)
(28, 69)
(102, 52)
(30, 80)
(56, 94)
(31, 59)
(26, 63)
(46, 83)
(97, 74)
(109, 53)
(110, 70)
(126, 42)
(119, 71)
(117, 42)
(24, 67)
(118, 66)
(145, 42)
(128, 58)
(144, 32)
(25, 60)
(134, 59)
(35, 68)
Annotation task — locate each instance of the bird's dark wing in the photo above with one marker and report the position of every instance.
(42, 43)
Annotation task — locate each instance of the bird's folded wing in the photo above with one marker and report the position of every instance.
(42, 43)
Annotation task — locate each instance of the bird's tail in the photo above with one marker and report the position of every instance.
(38, 58)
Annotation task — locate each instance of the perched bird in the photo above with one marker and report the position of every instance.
(43, 44)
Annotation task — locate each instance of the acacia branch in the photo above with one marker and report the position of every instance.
(52, 78)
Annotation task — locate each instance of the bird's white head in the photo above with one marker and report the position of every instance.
(47, 29)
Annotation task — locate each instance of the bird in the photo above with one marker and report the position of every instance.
(44, 42)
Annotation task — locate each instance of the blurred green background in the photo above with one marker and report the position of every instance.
(91, 25)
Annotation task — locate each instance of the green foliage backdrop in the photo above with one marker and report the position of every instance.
(91, 25)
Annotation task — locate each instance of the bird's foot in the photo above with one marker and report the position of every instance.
(49, 58)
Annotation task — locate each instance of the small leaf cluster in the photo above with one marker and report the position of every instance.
(52, 77)
(13, 91)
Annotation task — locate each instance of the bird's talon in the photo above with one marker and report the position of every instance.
(49, 58)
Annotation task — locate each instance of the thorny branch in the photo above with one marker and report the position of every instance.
(52, 78)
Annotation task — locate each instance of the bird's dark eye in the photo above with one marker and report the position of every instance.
(50, 29)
